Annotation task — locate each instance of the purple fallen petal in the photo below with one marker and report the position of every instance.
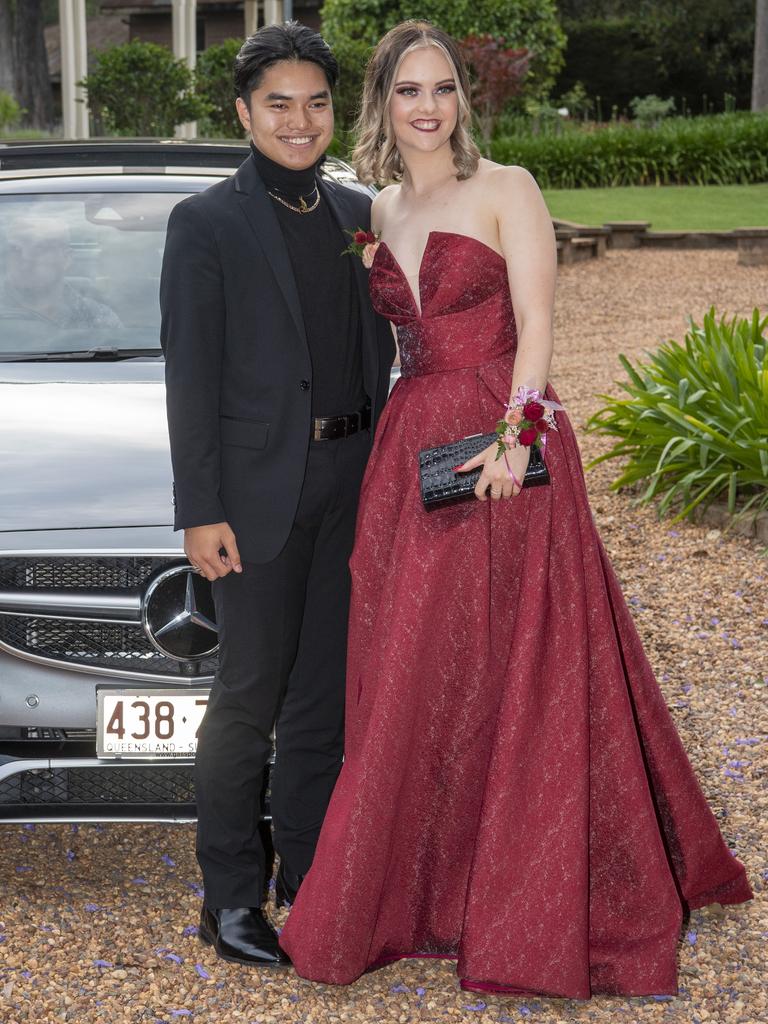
(191, 929)
(736, 776)
(181, 1013)
(662, 999)
(747, 741)
(691, 936)
(139, 881)
(175, 957)
(168, 860)
(420, 991)
(102, 963)
(91, 907)
(399, 988)
(293, 998)
(2, 938)
(524, 1011)
(26, 974)
(477, 1007)
(202, 971)
(23, 868)
(70, 855)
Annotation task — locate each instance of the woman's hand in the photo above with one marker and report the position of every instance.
(503, 476)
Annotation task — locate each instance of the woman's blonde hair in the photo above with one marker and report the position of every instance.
(375, 156)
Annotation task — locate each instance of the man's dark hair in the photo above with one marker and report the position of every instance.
(275, 43)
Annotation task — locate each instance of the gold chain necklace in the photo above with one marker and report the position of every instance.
(302, 207)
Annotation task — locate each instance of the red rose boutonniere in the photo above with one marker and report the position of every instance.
(364, 244)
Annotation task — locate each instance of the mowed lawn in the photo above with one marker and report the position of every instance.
(667, 207)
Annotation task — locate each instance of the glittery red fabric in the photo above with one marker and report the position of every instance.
(514, 792)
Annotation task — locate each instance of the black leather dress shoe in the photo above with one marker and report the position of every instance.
(287, 884)
(242, 936)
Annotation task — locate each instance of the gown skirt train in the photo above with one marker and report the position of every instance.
(514, 792)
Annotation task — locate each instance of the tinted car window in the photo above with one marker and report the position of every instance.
(81, 271)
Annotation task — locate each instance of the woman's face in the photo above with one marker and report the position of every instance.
(424, 107)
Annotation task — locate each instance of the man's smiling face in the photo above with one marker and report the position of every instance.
(290, 115)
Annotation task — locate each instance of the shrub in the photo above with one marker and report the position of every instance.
(695, 423)
(214, 85)
(141, 89)
(10, 111)
(353, 27)
(650, 110)
(724, 149)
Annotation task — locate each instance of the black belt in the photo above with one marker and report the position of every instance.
(328, 428)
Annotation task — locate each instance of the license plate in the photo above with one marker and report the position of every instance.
(154, 723)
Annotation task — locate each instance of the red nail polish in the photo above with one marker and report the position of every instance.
(456, 468)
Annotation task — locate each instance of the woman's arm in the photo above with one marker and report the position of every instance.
(528, 244)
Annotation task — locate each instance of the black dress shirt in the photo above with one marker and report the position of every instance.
(326, 286)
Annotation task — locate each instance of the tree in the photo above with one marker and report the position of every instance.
(760, 61)
(30, 62)
(498, 73)
(693, 50)
(214, 84)
(352, 27)
(7, 58)
(141, 89)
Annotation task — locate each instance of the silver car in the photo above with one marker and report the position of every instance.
(107, 638)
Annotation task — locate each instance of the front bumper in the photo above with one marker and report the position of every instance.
(86, 789)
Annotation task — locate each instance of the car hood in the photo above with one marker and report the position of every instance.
(83, 445)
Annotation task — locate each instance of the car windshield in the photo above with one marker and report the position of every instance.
(80, 273)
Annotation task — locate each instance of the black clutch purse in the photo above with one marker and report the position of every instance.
(439, 483)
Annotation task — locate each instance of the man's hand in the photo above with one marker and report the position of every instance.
(202, 545)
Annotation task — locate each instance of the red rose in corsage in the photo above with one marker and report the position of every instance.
(364, 244)
(527, 421)
(533, 411)
(528, 436)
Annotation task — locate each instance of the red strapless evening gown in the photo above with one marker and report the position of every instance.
(514, 792)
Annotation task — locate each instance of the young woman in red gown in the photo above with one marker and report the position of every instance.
(514, 793)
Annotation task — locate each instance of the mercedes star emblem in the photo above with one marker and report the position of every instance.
(178, 615)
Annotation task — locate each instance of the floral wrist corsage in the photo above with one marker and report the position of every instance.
(528, 419)
(364, 244)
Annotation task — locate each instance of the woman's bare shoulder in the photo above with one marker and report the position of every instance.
(507, 179)
(381, 202)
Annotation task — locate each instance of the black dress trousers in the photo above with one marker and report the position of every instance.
(283, 634)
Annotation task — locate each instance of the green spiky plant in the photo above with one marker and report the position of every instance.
(694, 424)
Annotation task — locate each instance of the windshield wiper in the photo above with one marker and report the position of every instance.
(105, 352)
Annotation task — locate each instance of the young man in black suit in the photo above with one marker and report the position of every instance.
(276, 370)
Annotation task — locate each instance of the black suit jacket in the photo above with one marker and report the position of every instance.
(238, 370)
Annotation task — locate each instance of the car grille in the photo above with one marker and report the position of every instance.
(61, 573)
(99, 787)
(102, 646)
(96, 644)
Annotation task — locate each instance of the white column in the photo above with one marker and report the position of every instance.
(74, 67)
(184, 25)
(273, 12)
(251, 19)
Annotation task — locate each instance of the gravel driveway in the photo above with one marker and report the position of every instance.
(97, 922)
